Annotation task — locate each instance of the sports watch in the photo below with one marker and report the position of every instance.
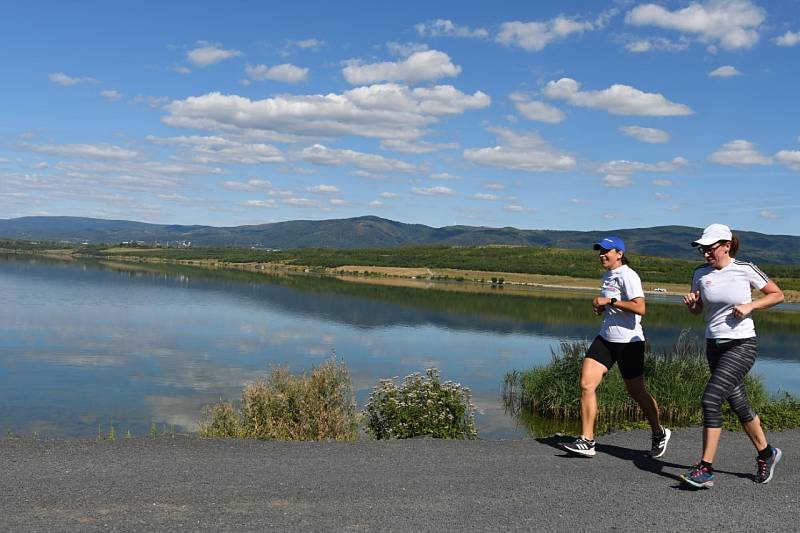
(613, 301)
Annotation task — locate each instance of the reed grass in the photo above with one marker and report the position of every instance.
(283, 406)
(676, 379)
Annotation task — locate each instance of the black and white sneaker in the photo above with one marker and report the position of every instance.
(581, 446)
(659, 445)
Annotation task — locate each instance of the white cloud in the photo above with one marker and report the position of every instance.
(428, 65)
(614, 180)
(724, 72)
(790, 38)
(377, 204)
(444, 176)
(789, 157)
(208, 54)
(534, 36)
(535, 110)
(433, 191)
(111, 95)
(496, 186)
(766, 213)
(656, 44)
(323, 189)
(217, 149)
(152, 101)
(389, 195)
(386, 111)
(648, 135)
(617, 99)
(415, 147)
(300, 202)
(731, 23)
(662, 196)
(322, 155)
(517, 208)
(270, 203)
(84, 151)
(486, 196)
(739, 152)
(286, 73)
(62, 79)
(249, 185)
(337, 202)
(447, 28)
(628, 167)
(662, 183)
(309, 44)
(524, 151)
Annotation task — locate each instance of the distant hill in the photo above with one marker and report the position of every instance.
(375, 232)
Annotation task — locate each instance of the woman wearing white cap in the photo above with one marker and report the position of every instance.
(721, 289)
(621, 341)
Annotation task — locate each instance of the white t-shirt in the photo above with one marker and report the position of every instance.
(622, 283)
(721, 290)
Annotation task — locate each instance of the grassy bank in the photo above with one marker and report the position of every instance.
(676, 379)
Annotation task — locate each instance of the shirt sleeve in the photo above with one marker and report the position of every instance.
(756, 278)
(696, 281)
(632, 285)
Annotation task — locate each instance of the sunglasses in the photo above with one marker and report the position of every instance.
(709, 249)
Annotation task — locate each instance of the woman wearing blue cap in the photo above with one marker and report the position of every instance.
(621, 341)
(722, 291)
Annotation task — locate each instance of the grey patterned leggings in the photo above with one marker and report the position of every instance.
(729, 363)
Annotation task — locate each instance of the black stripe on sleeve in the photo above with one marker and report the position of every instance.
(755, 268)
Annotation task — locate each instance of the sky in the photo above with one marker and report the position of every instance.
(570, 115)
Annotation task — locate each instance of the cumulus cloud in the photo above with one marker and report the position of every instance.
(387, 111)
(111, 95)
(323, 189)
(790, 38)
(208, 54)
(62, 79)
(724, 72)
(766, 213)
(249, 185)
(447, 28)
(286, 73)
(790, 158)
(517, 208)
(628, 167)
(269, 203)
(615, 180)
(309, 44)
(648, 135)
(151, 101)
(739, 152)
(656, 44)
(422, 66)
(534, 36)
(617, 99)
(83, 151)
(322, 155)
(485, 196)
(217, 149)
(524, 151)
(433, 191)
(535, 110)
(443, 176)
(389, 195)
(415, 147)
(733, 24)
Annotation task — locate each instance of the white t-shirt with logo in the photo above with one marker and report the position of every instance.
(723, 289)
(622, 283)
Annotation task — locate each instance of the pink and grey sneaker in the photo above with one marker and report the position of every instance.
(765, 468)
(699, 476)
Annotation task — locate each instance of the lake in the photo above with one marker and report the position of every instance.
(86, 345)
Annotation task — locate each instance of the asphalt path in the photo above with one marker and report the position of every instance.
(191, 484)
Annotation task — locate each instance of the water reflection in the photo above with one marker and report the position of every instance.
(88, 343)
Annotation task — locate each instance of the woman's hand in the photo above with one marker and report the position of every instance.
(742, 310)
(693, 301)
(599, 304)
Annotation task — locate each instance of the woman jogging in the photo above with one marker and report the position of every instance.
(721, 289)
(621, 341)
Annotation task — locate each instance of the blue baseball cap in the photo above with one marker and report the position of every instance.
(609, 243)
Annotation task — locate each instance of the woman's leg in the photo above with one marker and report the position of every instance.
(592, 374)
(638, 392)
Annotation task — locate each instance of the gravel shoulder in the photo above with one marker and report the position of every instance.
(193, 484)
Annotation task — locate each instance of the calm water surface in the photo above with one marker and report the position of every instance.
(84, 345)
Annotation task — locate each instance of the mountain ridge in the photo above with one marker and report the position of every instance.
(375, 232)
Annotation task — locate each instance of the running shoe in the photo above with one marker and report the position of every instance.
(581, 446)
(659, 445)
(765, 468)
(699, 476)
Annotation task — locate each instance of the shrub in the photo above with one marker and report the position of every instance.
(421, 406)
(676, 379)
(284, 406)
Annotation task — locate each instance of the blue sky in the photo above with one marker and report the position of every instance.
(537, 115)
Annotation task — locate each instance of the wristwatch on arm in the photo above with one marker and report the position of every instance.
(613, 301)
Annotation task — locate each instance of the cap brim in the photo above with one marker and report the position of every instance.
(704, 242)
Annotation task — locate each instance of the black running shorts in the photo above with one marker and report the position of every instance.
(629, 356)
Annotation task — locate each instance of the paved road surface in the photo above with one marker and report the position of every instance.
(190, 484)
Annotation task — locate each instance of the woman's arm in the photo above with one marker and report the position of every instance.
(773, 295)
(635, 305)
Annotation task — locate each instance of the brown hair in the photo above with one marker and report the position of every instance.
(624, 258)
(734, 245)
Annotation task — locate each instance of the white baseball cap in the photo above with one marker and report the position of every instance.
(714, 233)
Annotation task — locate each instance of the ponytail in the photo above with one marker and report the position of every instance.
(734, 245)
